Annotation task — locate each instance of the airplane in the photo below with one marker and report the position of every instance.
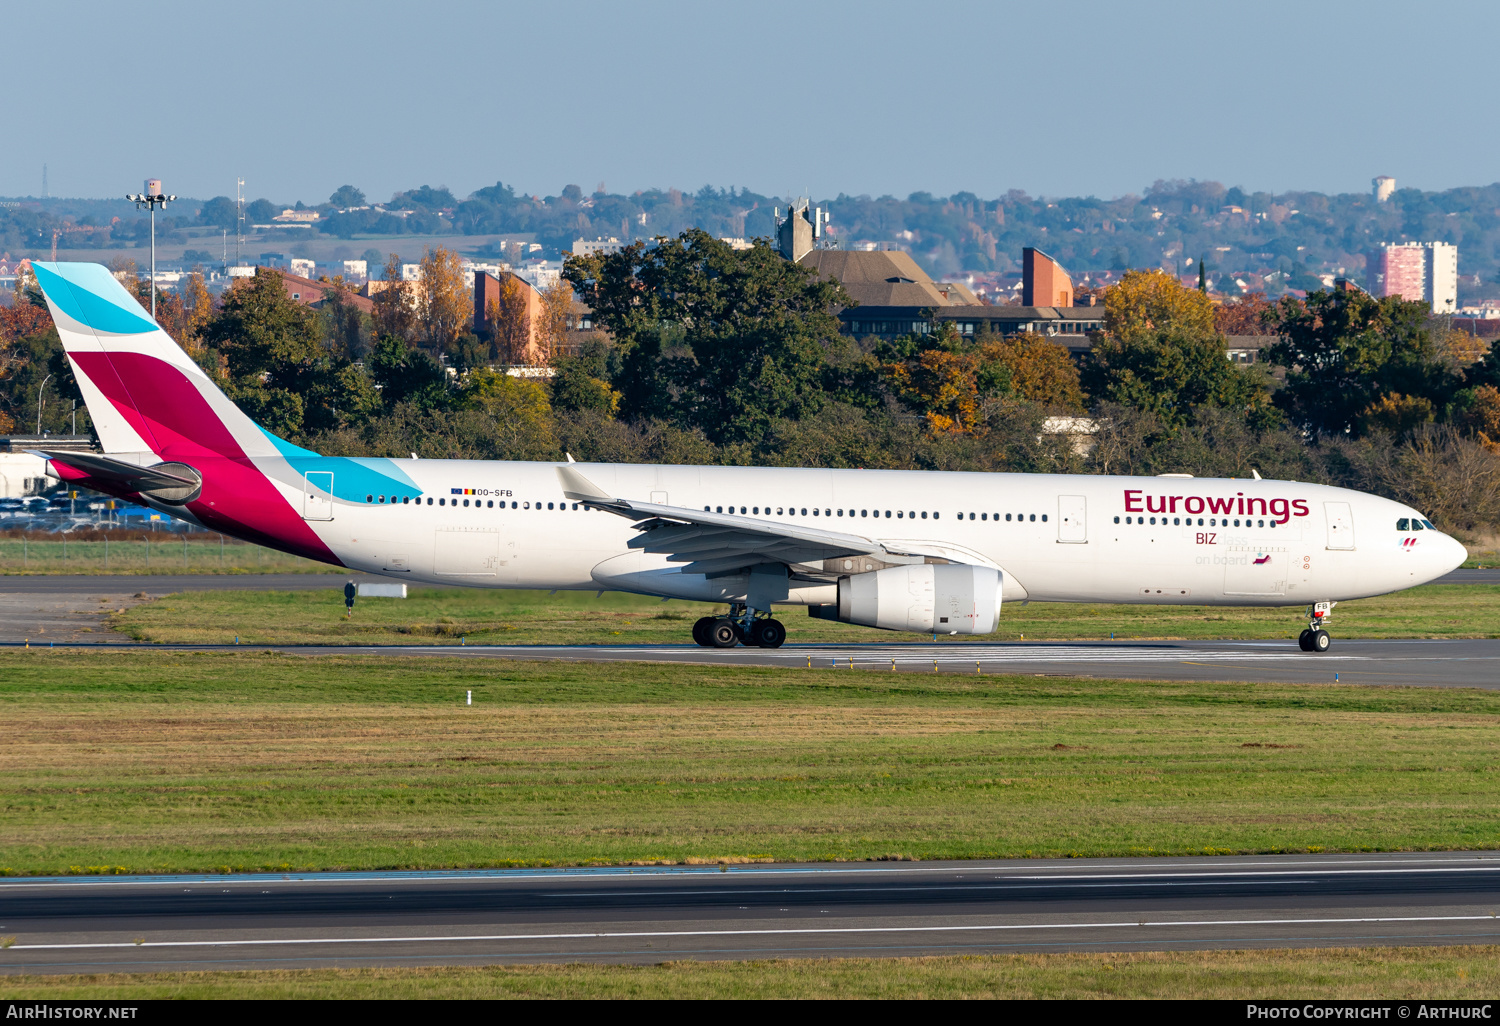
(919, 551)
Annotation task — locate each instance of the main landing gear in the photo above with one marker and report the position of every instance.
(1315, 638)
(742, 625)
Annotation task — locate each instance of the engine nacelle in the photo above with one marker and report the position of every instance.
(949, 598)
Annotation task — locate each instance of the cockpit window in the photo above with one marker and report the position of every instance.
(1403, 524)
(1416, 525)
(1428, 524)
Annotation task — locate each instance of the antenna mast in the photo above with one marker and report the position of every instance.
(239, 216)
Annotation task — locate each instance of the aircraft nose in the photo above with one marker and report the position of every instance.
(1452, 553)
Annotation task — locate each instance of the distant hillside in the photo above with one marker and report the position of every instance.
(1268, 241)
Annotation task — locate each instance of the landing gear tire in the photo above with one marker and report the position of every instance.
(724, 634)
(702, 631)
(768, 633)
(1314, 640)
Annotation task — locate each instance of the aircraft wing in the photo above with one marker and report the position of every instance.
(719, 542)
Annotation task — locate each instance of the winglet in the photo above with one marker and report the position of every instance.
(580, 488)
(570, 457)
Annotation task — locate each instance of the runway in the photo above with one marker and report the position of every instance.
(52, 616)
(652, 914)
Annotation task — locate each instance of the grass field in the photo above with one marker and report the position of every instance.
(144, 552)
(1471, 972)
(443, 616)
(154, 761)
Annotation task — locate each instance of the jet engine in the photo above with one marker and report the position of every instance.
(949, 598)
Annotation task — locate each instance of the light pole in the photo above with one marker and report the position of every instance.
(39, 393)
(152, 198)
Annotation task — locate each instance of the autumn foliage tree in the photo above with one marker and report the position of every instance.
(1039, 370)
(509, 318)
(394, 314)
(1244, 316)
(443, 301)
(1144, 301)
(552, 322)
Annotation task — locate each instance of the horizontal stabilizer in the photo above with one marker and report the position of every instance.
(106, 468)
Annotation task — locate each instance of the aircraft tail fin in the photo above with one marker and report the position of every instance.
(143, 392)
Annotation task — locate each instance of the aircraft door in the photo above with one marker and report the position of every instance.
(317, 496)
(1340, 525)
(1072, 520)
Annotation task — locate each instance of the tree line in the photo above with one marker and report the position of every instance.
(711, 355)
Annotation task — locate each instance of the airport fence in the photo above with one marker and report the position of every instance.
(126, 551)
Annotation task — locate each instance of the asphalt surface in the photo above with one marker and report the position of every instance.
(736, 912)
(1462, 663)
(70, 610)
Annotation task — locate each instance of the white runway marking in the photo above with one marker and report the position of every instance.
(741, 933)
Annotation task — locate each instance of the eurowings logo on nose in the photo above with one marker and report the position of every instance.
(1263, 560)
(1408, 543)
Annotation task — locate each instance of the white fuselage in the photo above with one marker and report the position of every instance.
(1057, 538)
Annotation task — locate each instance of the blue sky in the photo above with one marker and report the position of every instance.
(783, 98)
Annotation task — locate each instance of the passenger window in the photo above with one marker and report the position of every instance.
(984, 516)
(1033, 519)
(864, 512)
(804, 511)
(442, 502)
(936, 514)
(756, 511)
(888, 514)
(841, 512)
(1117, 520)
(1044, 519)
(1007, 518)
(466, 502)
(924, 514)
(369, 498)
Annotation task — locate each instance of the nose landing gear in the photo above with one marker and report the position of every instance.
(1315, 638)
(742, 625)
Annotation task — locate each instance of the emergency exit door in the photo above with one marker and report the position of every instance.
(317, 496)
(1072, 520)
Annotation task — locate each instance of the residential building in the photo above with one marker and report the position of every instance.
(541, 274)
(1383, 187)
(1417, 271)
(356, 270)
(1442, 277)
(302, 267)
(311, 293)
(290, 216)
(487, 288)
(736, 242)
(602, 246)
(411, 272)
